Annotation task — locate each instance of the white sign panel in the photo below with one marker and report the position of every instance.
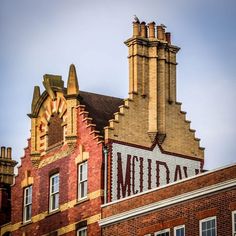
(135, 170)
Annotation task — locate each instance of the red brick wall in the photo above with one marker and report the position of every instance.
(188, 213)
(67, 169)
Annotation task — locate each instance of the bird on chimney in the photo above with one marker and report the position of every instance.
(136, 19)
(163, 26)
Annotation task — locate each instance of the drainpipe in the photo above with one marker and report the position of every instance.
(105, 154)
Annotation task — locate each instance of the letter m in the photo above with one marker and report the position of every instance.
(123, 185)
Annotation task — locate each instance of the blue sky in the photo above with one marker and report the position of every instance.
(39, 37)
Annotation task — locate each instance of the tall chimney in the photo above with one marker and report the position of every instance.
(136, 29)
(160, 32)
(3, 152)
(168, 37)
(143, 30)
(151, 27)
(9, 152)
(152, 73)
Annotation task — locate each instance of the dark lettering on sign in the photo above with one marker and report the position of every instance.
(121, 184)
(141, 174)
(134, 170)
(149, 173)
(135, 159)
(158, 164)
(178, 174)
(185, 171)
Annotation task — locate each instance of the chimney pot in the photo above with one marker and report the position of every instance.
(3, 152)
(9, 152)
(151, 27)
(143, 30)
(136, 29)
(168, 37)
(160, 32)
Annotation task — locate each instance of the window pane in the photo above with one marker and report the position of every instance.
(30, 195)
(209, 227)
(83, 171)
(27, 204)
(55, 184)
(234, 222)
(82, 232)
(180, 232)
(213, 232)
(213, 223)
(55, 201)
(204, 226)
(82, 180)
(54, 192)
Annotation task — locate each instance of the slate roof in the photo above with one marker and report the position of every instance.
(100, 107)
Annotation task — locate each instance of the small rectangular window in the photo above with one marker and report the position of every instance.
(82, 180)
(27, 211)
(179, 230)
(54, 193)
(165, 232)
(82, 232)
(208, 227)
(234, 223)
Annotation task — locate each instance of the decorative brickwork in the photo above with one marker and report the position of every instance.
(152, 110)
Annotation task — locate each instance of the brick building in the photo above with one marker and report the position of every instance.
(100, 165)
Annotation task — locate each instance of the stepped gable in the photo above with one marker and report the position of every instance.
(101, 108)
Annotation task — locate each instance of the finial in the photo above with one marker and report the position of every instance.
(72, 83)
(36, 96)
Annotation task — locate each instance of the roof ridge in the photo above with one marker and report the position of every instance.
(108, 96)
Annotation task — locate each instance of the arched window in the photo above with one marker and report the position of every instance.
(55, 130)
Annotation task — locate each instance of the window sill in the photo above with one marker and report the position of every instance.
(23, 224)
(82, 200)
(53, 212)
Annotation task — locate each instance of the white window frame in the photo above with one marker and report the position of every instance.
(80, 230)
(162, 231)
(233, 223)
(53, 193)
(179, 227)
(27, 204)
(205, 220)
(82, 181)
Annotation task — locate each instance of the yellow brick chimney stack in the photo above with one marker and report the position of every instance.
(152, 111)
(6, 167)
(152, 72)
